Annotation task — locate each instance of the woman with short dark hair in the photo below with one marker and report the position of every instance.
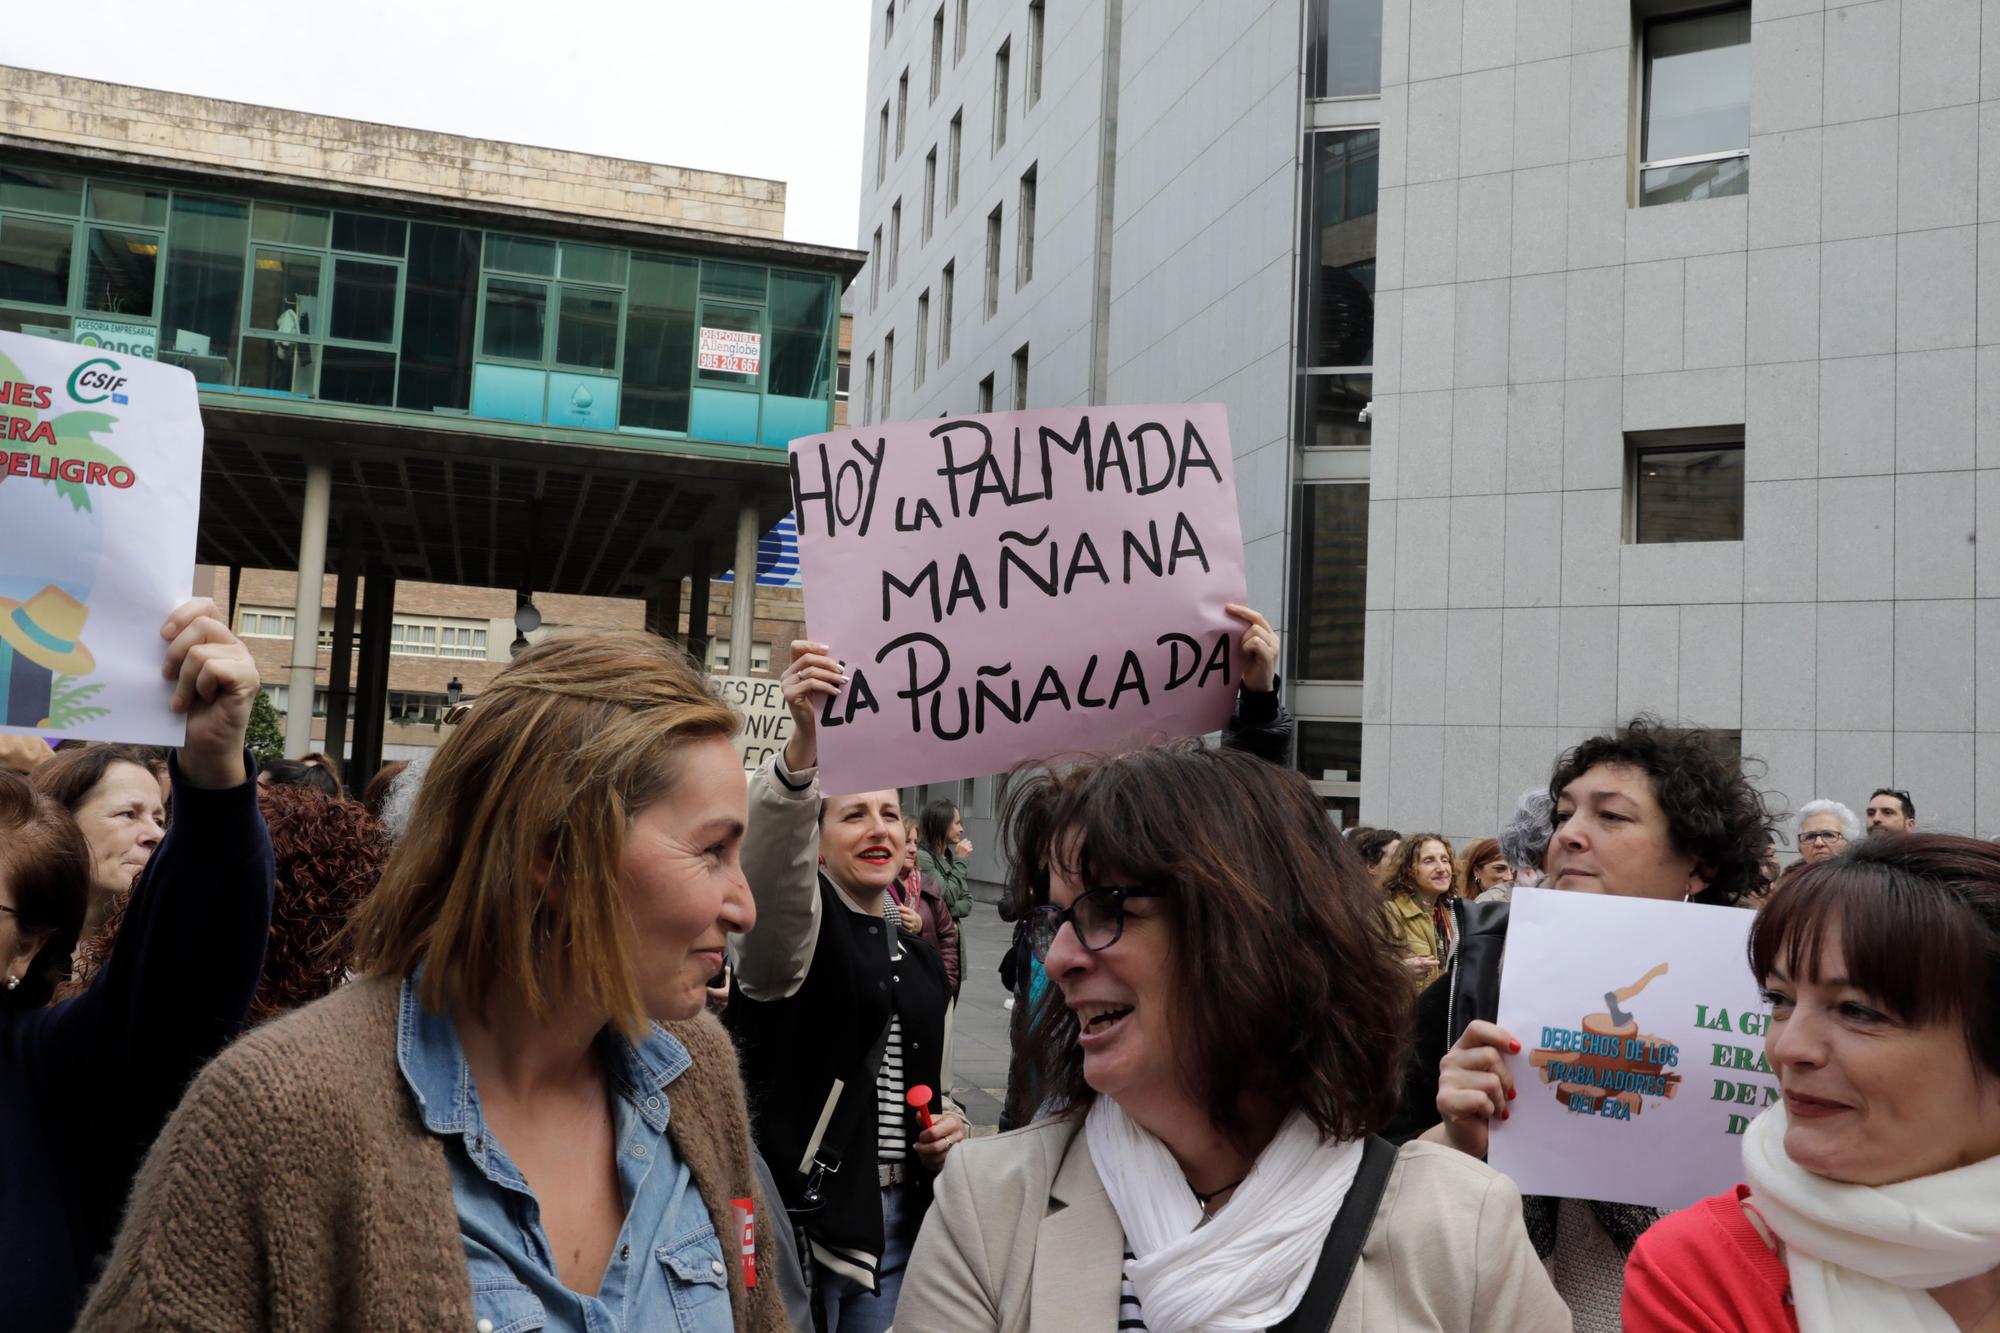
(118, 797)
(1869, 1202)
(1232, 1023)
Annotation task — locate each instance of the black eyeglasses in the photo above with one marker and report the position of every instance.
(1822, 835)
(1098, 917)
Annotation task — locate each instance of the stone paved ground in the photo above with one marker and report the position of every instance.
(979, 1032)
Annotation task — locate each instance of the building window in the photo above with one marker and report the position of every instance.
(895, 239)
(1021, 378)
(888, 371)
(255, 622)
(923, 339)
(868, 391)
(437, 637)
(1697, 128)
(842, 376)
(1332, 582)
(718, 657)
(946, 282)
(958, 37)
(1684, 485)
(1024, 232)
(409, 708)
(993, 228)
(1001, 60)
(1340, 246)
(986, 394)
(1034, 52)
(951, 161)
(875, 271)
(882, 146)
(1344, 50)
(888, 23)
(1330, 757)
(902, 108)
(930, 192)
(937, 51)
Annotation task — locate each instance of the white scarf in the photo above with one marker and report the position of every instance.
(1863, 1256)
(1249, 1266)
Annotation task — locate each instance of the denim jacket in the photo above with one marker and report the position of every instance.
(667, 1274)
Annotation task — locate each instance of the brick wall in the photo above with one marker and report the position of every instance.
(205, 131)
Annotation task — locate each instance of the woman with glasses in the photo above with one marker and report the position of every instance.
(1825, 830)
(1231, 1023)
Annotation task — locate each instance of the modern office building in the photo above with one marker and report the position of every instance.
(425, 358)
(1582, 357)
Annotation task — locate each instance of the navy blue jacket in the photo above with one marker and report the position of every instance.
(85, 1085)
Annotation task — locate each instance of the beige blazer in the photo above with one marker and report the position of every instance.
(1022, 1236)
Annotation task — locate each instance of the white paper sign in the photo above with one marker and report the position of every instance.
(733, 350)
(1642, 1048)
(99, 490)
(767, 723)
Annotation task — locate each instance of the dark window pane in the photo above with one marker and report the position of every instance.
(356, 375)
(35, 261)
(37, 322)
(204, 292)
(659, 344)
(587, 332)
(284, 291)
(439, 309)
(1346, 55)
(1691, 494)
(521, 254)
(40, 191)
(368, 235)
(118, 277)
(1333, 581)
(741, 281)
(593, 263)
(1696, 180)
(134, 204)
(278, 365)
(800, 337)
(1341, 242)
(364, 301)
(290, 224)
(516, 315)
(1330, 751)
(1333, 410)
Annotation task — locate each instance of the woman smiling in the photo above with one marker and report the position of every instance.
(1420, 879)
(1871, 1186)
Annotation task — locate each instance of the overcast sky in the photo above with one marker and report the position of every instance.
(767, 88)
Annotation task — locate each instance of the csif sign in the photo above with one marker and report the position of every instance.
(98, 379)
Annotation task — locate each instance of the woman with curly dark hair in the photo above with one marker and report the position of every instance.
(1646, 811)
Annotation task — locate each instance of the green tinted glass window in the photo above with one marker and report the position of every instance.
(516, 317)
(120, 271)
(801, 335)
(369, 235)
(587, 330)
(521, 254)
(741, 282)
(726, 353)
(279, 365)
(284, 291)
(40, 191)
(593, 263)
(204, 291)
(659, 344)
(440, 300)
(35, 261)
(288, 224)
(364, 301)
(137, 205)
(357, 375)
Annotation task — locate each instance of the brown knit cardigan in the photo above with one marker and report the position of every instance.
(296, 1189)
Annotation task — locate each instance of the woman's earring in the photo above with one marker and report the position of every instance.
(13, 983)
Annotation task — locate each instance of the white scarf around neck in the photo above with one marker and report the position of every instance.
(1863, 1256)
(1245, 1270)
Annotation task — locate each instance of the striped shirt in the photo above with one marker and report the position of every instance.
(892, 1138)
(1130, 1320)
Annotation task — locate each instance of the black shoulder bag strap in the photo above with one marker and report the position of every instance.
(1342, 1251)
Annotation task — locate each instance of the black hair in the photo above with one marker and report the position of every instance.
(297, 773)
(1909, 806)
(934, 828)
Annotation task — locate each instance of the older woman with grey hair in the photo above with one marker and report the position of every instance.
(1825, 829)
(1524, 838)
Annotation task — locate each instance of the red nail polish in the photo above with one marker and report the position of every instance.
(1514, 1046)
(1510, 1094)
(1506, 1115)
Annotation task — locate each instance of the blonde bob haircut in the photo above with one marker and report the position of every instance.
(507, 877)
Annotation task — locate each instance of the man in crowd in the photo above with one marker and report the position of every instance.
(1891, 811)
(1825, 828)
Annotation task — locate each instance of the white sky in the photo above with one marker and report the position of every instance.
(768, 88)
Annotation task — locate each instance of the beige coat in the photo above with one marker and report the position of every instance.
(1022, 1236)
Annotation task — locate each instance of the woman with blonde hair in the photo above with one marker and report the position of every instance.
(1418, 882)
(492, 1129)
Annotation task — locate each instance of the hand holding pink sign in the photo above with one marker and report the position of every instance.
(1016, 587)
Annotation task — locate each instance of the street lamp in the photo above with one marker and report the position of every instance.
(453, 692)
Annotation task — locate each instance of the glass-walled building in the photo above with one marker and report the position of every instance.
(273, 297)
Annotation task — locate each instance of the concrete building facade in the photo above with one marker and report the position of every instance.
(1583, 357)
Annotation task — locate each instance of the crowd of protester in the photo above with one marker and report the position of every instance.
(574, 1025)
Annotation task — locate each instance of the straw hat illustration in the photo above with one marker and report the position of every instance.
(47, 629)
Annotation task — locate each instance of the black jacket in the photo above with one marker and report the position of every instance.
(1469, 989)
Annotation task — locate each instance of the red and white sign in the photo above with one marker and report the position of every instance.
(734, 350)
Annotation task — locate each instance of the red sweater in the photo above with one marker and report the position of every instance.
(1706, 1270)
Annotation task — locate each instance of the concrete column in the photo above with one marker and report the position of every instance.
(305, 607)
(743, 595)
(698, 577)
(371, 696)
(663, 612)
(339, 698)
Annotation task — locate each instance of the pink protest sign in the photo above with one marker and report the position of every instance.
(1018, 586)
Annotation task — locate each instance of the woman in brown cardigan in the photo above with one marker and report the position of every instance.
(493, 1131)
